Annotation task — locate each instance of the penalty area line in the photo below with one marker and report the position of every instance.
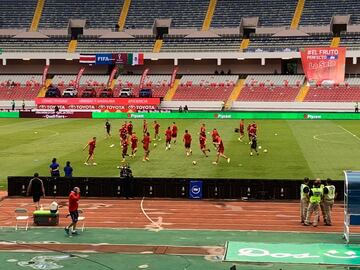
(348, 131)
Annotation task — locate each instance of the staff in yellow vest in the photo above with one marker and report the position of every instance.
(314, 205)
(304, 199)
(328, 201)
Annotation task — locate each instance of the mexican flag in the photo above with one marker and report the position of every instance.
(135, 59)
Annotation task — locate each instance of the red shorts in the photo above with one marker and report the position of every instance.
(241, 132)
(202, 146)
(187, 145)
(133, 146)
(221, 151)
(91, 152)
(168, 140)
(174, 135)
(124, 150)
(146, 147)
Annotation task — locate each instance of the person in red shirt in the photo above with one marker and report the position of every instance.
(134, 141)
(156, 128)
(130, 128)
(123, 132)
(74, 198)
(241, 130)
(92, 145)
(203, 148)
(174, 131)
(168, 134)
(187, 143)
(124, 146)
(220, 151)
(145, 128)
(146, 145)
(249, 131)
(214, 135)
(203, 130)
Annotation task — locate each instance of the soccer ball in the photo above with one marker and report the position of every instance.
(188, 154)
(251, 153)
(249, 142)
(275, 134)
(259, 147)
(265, 150)
(194, 162)
(155, 144)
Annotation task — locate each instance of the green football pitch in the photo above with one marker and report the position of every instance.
(298, 148)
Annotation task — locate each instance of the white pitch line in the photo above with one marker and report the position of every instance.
(316, 137)
(349, 132)
(146, 215)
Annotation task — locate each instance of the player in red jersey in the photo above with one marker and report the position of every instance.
(214, 135)
(123, 132)
(92, 145)
(146, 145)
(124, 146)
(187, 142)
(168, 134)
(252, 131)
(130, 128)
(156, 129)
(249, 130)
(203, 130)
(241, 130)
(202, 140)
(134, 141)
(255, 128)
(145, 127)
(174, 131)
(220, 151)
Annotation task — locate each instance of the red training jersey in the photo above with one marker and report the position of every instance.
(144, 127)
(92, 145)
(242, 126)
(134, 140)
(129, 128)
(202, 140)
(168, 133)
(73, 201)
(187, 138)
(146, 141)
(220, 142)
(156, 127)
(203, 131)
(174, 129)
(214, 134)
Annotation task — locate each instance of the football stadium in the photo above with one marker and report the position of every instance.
(183, 135)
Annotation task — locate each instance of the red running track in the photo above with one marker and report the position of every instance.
(157, 214)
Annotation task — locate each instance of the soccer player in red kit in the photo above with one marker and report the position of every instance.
(123, 132)
(124, 146)
(92, 145)
(214, 135)
(203, 130)
(168, 134)
(202, 140)
(146, 145)
(134, 141)
(174, 131)
(156, 128)
(241, 130)
(187, 143)
(145, 127)
(130, 128)
(220, 150)
(249, 131)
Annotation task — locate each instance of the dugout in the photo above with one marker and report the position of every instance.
(247, 189)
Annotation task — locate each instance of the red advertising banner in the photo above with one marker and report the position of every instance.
(324, 64)
(96, 107)
(142, 80)
(45, 72)
(97, 101)
(77, 81)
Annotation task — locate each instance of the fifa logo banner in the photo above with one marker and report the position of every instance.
(324, 64)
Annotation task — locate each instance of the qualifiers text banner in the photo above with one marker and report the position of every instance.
(97, 101)
(324, 64)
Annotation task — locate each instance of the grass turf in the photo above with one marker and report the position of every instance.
(300, 148)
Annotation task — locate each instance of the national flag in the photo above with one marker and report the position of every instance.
(87, 58)
(138, 59)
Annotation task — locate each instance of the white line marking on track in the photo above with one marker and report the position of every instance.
(154, 226)
(348, 131)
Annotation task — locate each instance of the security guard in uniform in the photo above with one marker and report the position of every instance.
(315, 195)
(328, 201)
(304, 199)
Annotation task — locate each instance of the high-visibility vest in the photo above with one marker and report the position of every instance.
(304, 195)
(331, 193)
(316, 195)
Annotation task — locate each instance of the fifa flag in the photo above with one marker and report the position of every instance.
(135, 59)
(324, 64)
